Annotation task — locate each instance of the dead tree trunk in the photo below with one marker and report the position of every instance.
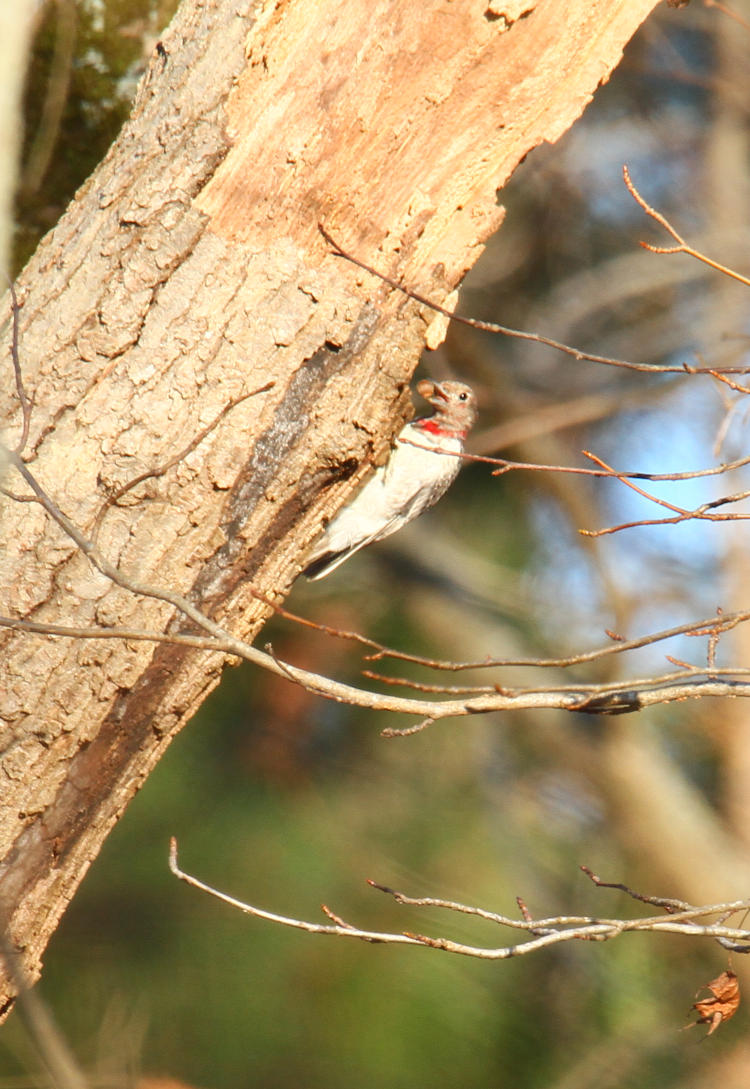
(189, 270)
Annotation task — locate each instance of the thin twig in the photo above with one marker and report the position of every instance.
(326, 629)
(542, 932)
(726, 10)
(704, 513)
(135, 635)
(629, 689)
(691, 681)
(407, 731)
(420, 686)
(681, 247)
(341, 930)
(526, 923)
(619, 646)
(732, 385)
(505, 465)
(160, 470)
(493, 327)
(640, 523)
(669, 905)
(230, 645)
(634, 487)
(15, 308)
(52, 1047)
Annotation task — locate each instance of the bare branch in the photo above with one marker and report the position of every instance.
(704, 513)
(493, 327)
(70, 631)
(617, 698)
(339, 929)
(619, 645)
(732, 385)
(681, 247)
(326, 629)
(690, 682)
(407, 731)
(726, 10)
(505, 465)
(542, 932)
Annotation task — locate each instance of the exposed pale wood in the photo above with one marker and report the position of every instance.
(188, 270)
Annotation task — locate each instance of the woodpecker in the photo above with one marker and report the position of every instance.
(422, 465)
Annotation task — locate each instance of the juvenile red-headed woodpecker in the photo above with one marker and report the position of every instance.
(421, 467)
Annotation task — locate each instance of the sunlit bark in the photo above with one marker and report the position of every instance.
(190, 271)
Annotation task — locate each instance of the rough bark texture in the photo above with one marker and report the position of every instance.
(188, 270)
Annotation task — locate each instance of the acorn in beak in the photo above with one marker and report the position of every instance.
(432, 392)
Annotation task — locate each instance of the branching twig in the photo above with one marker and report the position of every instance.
(704, 513)
(616, 698)
(673, 907)
(699, 514)
(326, 629)
(619, 644)
(493, 327)
(505, 465)
(542, 932)
(681, 247)
(629, 688)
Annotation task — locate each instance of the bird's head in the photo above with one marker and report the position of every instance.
(454, 403)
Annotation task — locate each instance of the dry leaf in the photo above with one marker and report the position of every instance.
(723, 1004)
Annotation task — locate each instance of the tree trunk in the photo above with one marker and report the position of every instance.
(190, 270)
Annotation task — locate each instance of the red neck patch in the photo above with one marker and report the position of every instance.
(434, 428)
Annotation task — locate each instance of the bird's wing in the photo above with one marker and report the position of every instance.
(329, 561)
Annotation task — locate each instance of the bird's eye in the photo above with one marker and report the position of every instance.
(463, 396)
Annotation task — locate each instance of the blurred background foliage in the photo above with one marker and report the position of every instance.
(287, 801)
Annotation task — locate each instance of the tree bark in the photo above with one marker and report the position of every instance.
(189, 270)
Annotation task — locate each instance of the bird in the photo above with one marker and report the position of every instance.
(423, 464)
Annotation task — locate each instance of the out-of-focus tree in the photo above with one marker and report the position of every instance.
(15, 31)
